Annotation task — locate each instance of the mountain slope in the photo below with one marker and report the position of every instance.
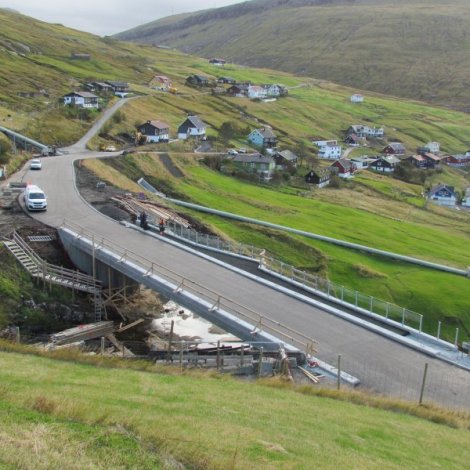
(413, 49)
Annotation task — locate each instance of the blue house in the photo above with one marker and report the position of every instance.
(443, 195)
(263, 138)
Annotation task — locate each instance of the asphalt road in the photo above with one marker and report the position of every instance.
(381, 364)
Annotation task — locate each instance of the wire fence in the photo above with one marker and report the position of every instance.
(431, 383)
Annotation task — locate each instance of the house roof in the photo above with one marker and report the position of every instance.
(161, 78)
(431, 156)
(396, 146)
(157, 124)
(266, 132)
(438, 187)
(418, 158)
(345, 163)
(288, 155)
(118, 84)
(253, 158)
(195, 121)
(83, 94)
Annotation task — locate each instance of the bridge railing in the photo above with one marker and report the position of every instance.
(215, 299)
(212, 242)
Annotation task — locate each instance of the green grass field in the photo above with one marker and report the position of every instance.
(58, 414)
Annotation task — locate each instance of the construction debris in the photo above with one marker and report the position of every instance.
(83, 333)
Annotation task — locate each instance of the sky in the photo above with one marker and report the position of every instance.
(106, 17)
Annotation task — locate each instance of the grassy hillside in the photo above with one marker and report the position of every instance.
(394, 47)
(110, 417)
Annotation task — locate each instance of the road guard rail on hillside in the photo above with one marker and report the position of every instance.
(355, 300)
(335, 241)
(217, 302)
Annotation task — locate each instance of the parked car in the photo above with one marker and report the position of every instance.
(35, 164)
(232, 152)
(110, 148)
(35, 198)
(242, 150)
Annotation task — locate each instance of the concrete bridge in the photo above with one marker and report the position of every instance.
(379, 362)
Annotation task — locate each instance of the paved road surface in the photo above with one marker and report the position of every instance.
(379, 363)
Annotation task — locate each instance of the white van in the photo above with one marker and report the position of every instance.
(35, 199)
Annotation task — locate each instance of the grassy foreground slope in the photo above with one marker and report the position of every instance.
(121, 418)
(404, 48)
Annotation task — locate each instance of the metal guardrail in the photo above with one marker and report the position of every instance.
(213, 242)
(335, 241)
(218, 301)
(345, 295)
(331, 290)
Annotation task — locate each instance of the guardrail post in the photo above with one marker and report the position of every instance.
(338, 383)
(456, 337)
(328, 288)
(342, 293)
(371, 304)
(439, 329)
(421, 324)
(355, 299)
(423, 384)
(403, 316)
(387, 306)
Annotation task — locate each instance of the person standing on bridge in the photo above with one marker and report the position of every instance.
(161, 226)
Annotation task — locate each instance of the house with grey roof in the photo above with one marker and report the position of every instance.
(262, 165)
(155, 131)
(286, 158)
(81, 99)
(263, 137)
(191, 127)
(443, 195)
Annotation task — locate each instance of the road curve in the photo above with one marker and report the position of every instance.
(381, 364)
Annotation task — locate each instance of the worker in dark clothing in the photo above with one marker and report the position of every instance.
(143, 221)
(161, 226)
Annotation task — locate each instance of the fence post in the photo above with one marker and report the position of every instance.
(218, 355)
(338, 384)
(102, 346)
(260, 362)
(18, 336)
(423, 383)
(181, 354)
(171, 340)
(439, 330)
(456, 337)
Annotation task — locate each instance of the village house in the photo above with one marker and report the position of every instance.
(198, 80)
(160, 82)
(262, 165)
(466, 199)
(218, 62)
(99, 87)
(227, 80)
(328, 149)
(263, 138)
(319, 178)
(363, 161)
(357, 98)
(155, 131)
(418, 161)
(257, 92)
(343, 167)
(119, 88)
(433, 147)
(394, 148)
(81, 99)
(365, 131)
(240, 90)
(443, 195)
(285, 159)
(457, 161)
(275, 90)
(191, 127)
(353, 140)
(385, 164)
